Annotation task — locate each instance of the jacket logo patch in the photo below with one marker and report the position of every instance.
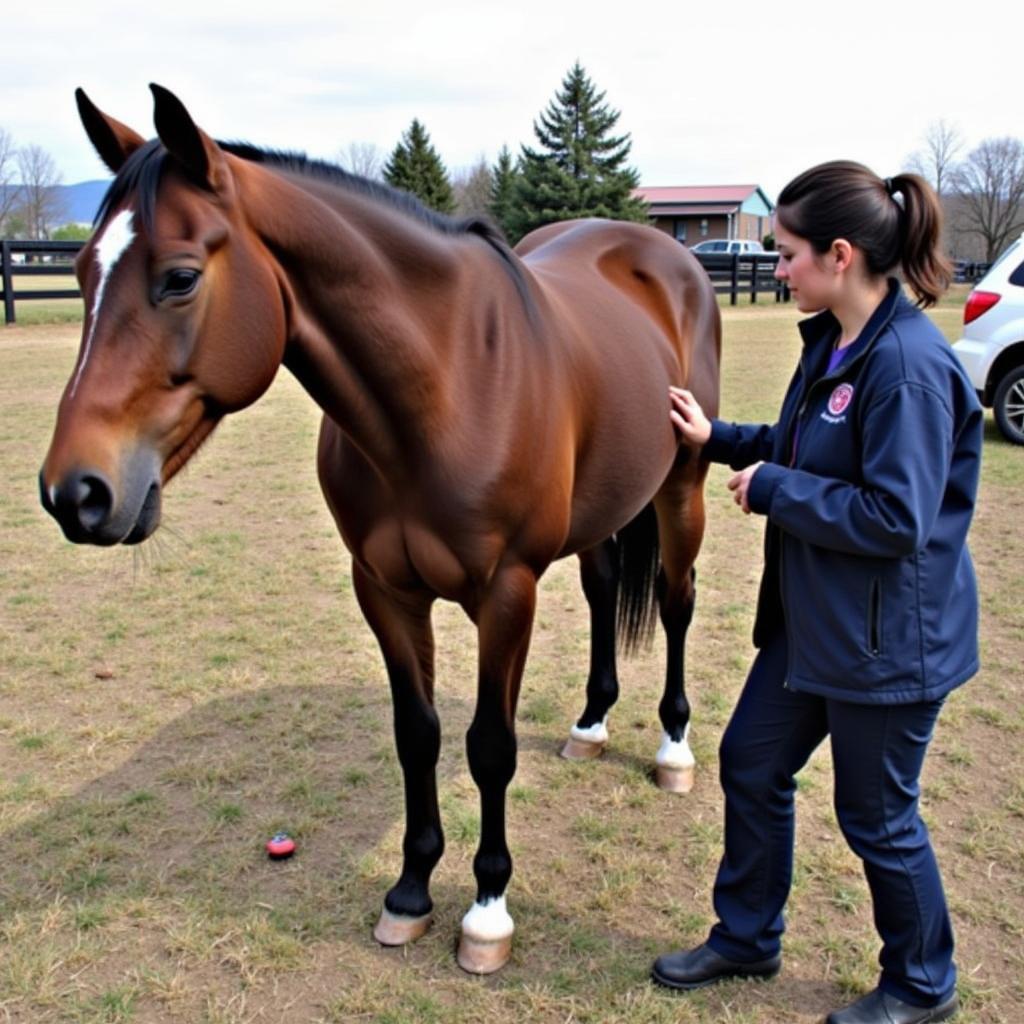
(840, 399)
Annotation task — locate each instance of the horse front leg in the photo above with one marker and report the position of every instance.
(404, 632)
(504, 621)
(599, 574)
(680, 509)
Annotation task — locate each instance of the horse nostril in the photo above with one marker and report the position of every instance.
(93, 499)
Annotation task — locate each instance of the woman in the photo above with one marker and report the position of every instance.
(867, 613)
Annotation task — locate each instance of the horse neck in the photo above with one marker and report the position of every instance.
(370, 298)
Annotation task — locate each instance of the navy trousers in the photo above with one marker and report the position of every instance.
(877, 753)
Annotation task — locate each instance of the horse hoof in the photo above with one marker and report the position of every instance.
(581, 750)
(483, 956)
(398, 929)
(674, 778)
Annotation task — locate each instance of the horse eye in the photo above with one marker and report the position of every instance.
(177, 283)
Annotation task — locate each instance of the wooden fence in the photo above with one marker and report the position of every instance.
(736, 274)
(732, 274)
(35, 259)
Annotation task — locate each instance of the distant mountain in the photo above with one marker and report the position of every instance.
(81, 201)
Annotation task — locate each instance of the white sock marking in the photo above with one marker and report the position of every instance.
(488, 921)
(676, 755)
(112, 244)
(597, 733)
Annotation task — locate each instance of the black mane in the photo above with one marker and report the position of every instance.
(141, 174)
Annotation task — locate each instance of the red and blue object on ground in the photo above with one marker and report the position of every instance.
(280, 846)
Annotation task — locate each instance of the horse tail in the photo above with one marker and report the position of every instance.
(639, 560)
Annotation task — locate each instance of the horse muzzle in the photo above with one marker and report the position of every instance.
(91, 510)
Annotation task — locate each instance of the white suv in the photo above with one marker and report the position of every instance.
(992, 346)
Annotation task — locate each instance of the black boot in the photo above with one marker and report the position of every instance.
(694, 968)
(879, 1007)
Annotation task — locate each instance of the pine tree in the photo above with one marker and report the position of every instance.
(415, 167)
(504, 200)
(581, 170)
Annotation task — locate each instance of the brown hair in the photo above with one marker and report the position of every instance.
(844, 199)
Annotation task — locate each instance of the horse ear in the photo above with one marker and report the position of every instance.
(114, 142)
(198, 154)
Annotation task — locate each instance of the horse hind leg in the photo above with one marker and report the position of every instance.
(599, 574)
(680, 509)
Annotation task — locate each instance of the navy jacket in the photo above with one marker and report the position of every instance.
(866, 560)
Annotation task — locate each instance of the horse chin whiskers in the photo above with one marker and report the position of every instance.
(164, 547)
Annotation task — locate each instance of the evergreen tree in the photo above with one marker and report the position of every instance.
(415, 167)
(581, 170)
(504, 200)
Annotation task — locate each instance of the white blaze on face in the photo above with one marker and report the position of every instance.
(112, 245)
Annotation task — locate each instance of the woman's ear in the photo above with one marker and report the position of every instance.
(842, 254)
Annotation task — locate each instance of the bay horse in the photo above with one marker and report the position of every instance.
(486, 411)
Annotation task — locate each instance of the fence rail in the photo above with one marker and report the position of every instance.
(35, 259)
(732, 274)
(969, 271)
(736, 274)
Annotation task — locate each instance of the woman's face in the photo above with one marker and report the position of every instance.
(811, 276)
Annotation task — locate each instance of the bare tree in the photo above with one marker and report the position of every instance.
(41, 205)
(9, 191)
(990, 187)
(942, 145)
(472, 188)
(362, 158)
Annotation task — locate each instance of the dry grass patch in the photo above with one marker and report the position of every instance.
(163, 711)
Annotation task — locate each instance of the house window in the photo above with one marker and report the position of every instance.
(703, 227)
(679, 230)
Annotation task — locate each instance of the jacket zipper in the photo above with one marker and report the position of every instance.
(787, 683)
(875, 617)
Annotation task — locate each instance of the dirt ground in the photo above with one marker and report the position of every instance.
(163, 711)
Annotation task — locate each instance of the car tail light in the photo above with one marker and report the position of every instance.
(978, 303)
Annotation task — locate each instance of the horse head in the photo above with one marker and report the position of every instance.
(184, 322)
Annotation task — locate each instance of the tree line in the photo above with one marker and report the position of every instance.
(982, 190)
(30, 205)
(578, 167)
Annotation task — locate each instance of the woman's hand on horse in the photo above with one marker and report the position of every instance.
(740, 485)
(688, 417)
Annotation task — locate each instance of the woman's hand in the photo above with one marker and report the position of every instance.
(688, 418)
(740, 485)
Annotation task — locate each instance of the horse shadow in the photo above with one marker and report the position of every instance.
(183, 821)
(198, 800)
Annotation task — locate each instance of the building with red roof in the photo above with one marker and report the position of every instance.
(691, 213)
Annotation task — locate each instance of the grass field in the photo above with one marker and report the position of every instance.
(164, 710)
(46, 311)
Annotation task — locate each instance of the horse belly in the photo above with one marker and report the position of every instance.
(622, 473)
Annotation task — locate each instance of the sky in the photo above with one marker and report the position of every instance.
(735, 92)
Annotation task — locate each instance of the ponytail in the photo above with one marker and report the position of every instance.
(926, 268)
(896, 222)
